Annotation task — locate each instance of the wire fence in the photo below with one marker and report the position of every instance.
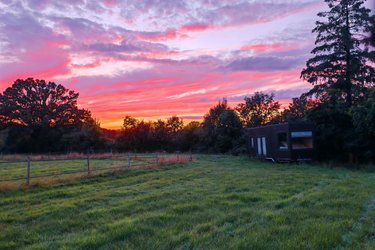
(21, 168)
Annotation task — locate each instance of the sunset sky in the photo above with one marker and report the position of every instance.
(157, 58)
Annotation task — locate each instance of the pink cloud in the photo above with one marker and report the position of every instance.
(194, 27)
(152, 98)
(110, 3)
(36, 51)
(175, 81)
(263, 47)
(160, 36)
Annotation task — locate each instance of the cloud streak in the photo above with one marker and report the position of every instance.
(153, 59)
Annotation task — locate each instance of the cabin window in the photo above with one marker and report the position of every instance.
(302, 140)
(282, 141)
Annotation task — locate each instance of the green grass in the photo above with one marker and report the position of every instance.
(211, 203)
(14, 170)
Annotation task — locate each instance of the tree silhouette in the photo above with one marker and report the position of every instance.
(38, 103)
(299, 108)
(363, 137)
(174, 124)
(37, 116)
(340, 68)
(258, 109)
(222, 127)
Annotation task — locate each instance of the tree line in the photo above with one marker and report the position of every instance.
(39, 116)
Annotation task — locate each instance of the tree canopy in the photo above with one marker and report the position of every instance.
(40, 116)
(222, 127)
(343, 77)
(298, 109)
(341, 69)
(32, 102)
(258, 109)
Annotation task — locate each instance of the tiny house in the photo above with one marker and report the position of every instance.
(282, 142)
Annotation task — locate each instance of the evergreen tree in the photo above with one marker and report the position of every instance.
(340, 69)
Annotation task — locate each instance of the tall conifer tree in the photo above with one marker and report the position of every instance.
(341, 69)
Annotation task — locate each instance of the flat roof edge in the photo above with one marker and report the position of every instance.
(281, 124)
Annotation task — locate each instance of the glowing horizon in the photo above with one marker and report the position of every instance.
(155, 59)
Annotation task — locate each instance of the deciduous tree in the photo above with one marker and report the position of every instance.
(38, 103)
(40, 116)
(298, 109)
(222, 127)
(258, 109)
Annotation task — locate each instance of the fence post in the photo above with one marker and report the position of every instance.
(157, 161)
(28, 171)
(129, 160)
(191, 156)
(88, 164)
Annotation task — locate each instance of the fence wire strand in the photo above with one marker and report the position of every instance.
(89, 165)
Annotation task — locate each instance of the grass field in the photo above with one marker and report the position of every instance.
(211, 203)
(13, 171)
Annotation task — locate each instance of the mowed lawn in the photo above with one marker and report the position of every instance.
(215, 202)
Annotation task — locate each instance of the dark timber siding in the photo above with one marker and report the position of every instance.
(282, 142)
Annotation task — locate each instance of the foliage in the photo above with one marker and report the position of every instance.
(332, 129)
(221, 127)
(299, 108)
(174, 124)
(170, 135)
(44, 117)
(259, 109)
(363, 138)
(35, 103)
(343, 76)
(341, 69)
(135, 137)
(189, 138)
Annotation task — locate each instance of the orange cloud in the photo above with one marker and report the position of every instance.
(163, 97)
(263, 47)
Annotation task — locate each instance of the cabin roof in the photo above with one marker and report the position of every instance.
(284, 124)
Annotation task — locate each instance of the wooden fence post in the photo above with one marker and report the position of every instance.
(129, 160)
(28, 171)
(88, 164)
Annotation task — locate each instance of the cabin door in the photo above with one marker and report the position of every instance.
(262, 146)
(259, 145)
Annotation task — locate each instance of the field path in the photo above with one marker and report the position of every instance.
(366, 219)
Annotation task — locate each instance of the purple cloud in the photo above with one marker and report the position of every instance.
(129, 45)
(120, 54)
(265, 63)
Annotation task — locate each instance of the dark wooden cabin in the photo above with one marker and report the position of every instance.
(282, 142)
